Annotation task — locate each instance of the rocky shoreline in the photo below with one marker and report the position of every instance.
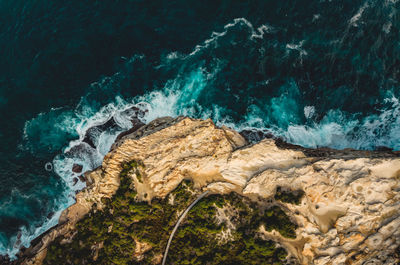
(348, 212)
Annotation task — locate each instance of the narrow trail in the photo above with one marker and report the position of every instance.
(179, 222)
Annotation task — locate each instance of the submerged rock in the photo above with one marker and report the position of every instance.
(255, 135)
(345, 204)
(82, 178)
(5, 260)
(134, 114)
(50, 215)
(76, 168)
(74, 180)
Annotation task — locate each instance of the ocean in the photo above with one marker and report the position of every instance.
(316, 73)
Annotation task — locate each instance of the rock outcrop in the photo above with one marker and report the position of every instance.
(349, 214)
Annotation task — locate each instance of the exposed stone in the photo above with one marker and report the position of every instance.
(76, 168)
(50, 215)
(255, 135)
(154, 126)
(75, 180)
(350, 211)
(134, 114)
(5, 260)
(141, 248)
(81, 178)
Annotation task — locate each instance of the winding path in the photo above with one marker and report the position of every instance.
(179, 222)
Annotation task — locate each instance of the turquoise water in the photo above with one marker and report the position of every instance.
(325, 75)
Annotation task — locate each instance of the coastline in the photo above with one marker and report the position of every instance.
(103, 182)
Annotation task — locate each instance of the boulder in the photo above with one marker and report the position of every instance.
(76, 168)
(75, 180)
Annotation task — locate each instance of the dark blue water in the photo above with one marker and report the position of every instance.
(318, 73)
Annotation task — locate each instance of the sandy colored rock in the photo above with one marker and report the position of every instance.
(350, 213)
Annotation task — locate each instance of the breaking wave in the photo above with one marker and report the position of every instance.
(229, 78)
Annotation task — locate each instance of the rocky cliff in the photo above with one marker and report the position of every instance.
(310, 206)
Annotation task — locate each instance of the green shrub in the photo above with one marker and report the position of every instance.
(196, 241)
(293, 197)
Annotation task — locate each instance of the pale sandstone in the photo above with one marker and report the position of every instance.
(349, 214)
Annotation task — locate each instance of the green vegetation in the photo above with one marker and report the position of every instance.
(293, 197)
(276, 219)
(197, 242)
(108, 236)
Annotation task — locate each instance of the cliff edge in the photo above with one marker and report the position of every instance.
(341, 206)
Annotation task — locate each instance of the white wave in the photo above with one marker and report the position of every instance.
(316, 17)
(309, 111)
(28, 234)
(338, 129)
(12, 245)
(356, 17)
(237, 22)
(297, 47)
(180, 96)
(49, 130)
(387, 27)
(261, 30)
(92, 158)
(89, 158)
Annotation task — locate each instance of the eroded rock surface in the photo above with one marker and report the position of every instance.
(349, 213)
